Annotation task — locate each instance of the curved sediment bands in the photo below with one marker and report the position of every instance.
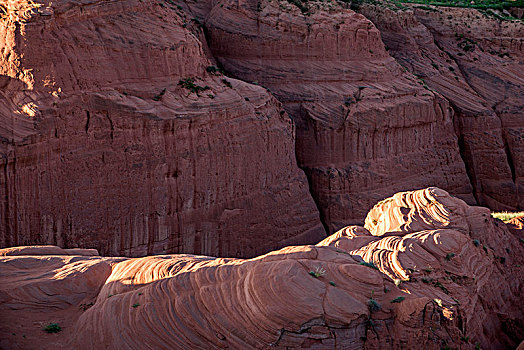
(218, 297)
(457, 280)
(413, 211)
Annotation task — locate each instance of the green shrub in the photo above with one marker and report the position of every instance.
(369, 264)
(159, 96)
(373, 305)
(319, 272)
(398, 300)
(227, 83)
(189, 84)
(52, 328)
(506, 216)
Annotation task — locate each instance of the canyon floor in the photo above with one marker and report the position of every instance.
(426, 271)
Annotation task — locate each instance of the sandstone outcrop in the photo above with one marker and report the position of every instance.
(365, 128)
(119, 133)
(475, 60)
(427, 271)
(115, 135)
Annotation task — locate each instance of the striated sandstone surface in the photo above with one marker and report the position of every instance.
(365, 128)
(102, 148)
(458, 274)
(477, 63)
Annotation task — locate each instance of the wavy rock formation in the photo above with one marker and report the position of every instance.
(516, 226)
(426, 271)
(476, 62)
(102, 147)
(365, 128)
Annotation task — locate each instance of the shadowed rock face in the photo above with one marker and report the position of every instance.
(458, 284)
(103, 148)
(365, 128)
(475, 62)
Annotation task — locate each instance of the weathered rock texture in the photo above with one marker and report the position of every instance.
(477, 63)
(365, 128)
(102, 148)
(457, 273)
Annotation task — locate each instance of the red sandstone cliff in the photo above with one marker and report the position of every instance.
(476, 62)
(447, 275)
(102, 148)
(365, 128)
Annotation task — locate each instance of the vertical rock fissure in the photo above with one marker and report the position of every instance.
(511, 164)
(470, 167)
(463, 152)
(308, 177)
(6, 214)
(321, 214)
(88, 118)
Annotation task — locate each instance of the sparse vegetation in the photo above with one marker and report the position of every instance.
(159, 96)
(476, 242)
(441, 286)
(374, 306)
(506, 216)
(369, 264)
(333, 283)
(189, 84)
(227, 83)
(478, 4)
(319, 272)
(397, 282)
(213, 70)
(135, 305)
(491, 8)
(302, 5)
(449, 256)
(398, 300)
(52, 328)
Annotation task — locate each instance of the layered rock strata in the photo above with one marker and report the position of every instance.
(365, 128)
(426, 271)
(114, 136)
(476, 61)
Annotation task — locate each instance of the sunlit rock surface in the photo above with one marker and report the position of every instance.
(446, 274)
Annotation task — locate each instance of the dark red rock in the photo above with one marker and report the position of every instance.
(365, 128)
(475, 61)
(102, 148)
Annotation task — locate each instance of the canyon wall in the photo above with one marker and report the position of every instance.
(476, 61)
(118, 131)
(365, 127)
(102, 147)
